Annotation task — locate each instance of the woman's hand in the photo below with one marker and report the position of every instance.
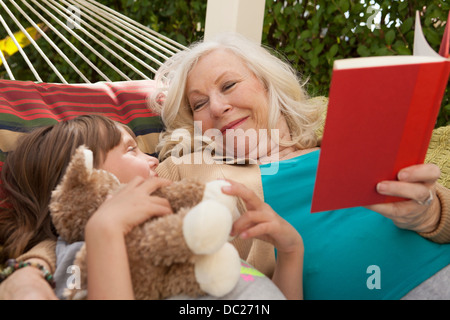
(416, 183)
(262, 222)
(26, 284)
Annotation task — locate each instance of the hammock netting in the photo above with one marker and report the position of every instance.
(76, 41)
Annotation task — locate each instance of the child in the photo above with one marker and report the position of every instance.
(35, 168)
(32, 171)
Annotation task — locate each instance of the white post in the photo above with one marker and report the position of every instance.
(243, 16)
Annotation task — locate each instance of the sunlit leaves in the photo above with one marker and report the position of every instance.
(313, 34)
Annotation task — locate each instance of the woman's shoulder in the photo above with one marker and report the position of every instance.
(204, 167)
(189, 165)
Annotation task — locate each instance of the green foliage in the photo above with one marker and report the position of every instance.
(177, 19)
(311, 35)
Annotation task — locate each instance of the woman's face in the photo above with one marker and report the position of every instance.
(224, 94)
(126, 161)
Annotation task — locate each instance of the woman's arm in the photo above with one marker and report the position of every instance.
(442, 204)
(27, 284)
(107, 260)
(44, 252)
(262, 222)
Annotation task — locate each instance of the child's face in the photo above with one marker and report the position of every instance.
(126, 161)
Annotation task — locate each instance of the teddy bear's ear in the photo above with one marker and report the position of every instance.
(70, 198)
(80, 192)
(78, 172)
(80, 167)
(88, 158)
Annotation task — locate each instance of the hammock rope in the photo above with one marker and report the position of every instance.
(131, 46)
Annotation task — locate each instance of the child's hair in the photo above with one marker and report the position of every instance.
(33, 170)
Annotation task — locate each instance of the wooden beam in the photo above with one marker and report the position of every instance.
(243, 16)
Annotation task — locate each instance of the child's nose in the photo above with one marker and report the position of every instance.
(153, 163)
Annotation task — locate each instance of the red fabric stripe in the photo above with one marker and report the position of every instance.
(69, 115)
(22, 90)
(20, 93)
(122, 101)
(141, 85)
(97, 104)
(40, 112)
(139, 89)
(25, 109)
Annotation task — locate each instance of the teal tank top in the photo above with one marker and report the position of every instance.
(349, 253)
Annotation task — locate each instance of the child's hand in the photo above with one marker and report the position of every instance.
(262, 222)
(131, 206)
(109, 272)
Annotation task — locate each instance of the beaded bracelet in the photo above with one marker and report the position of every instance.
(13, 265)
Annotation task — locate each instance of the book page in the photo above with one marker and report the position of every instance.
(354, 63)
(421, 46)
(423, 53)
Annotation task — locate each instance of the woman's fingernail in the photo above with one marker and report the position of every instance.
(382, 187)
(403, 175)
(226, 189)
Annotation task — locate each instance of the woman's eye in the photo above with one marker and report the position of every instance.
(229, 85)
(198, 105)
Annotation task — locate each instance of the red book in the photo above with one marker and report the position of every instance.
(381, 114)
(445, 44)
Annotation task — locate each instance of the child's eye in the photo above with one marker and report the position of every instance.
(131, 149)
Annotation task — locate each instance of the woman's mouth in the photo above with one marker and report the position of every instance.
(233, 124)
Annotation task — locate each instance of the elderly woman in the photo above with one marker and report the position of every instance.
(251, 112)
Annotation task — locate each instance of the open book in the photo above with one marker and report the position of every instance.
(381, 114)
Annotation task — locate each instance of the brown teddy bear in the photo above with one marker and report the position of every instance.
(184, 253)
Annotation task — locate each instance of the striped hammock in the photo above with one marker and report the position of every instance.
(67, 26)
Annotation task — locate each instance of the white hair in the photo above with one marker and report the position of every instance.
(285, 92)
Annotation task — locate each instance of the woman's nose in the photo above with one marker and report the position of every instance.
(219, 106)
